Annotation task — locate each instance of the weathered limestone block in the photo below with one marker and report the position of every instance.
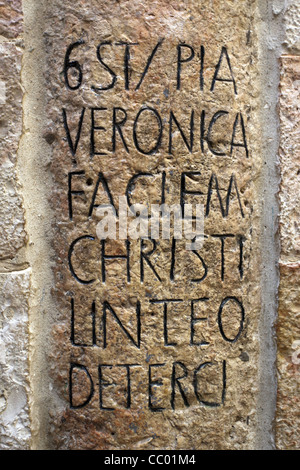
(12, 236)
(154, 346)
(288, 418)
(14, 281)
(290, 158)
(292, 25)
(14, 385)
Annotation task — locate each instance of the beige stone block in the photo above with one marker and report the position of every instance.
(12, 236)
(14, 365)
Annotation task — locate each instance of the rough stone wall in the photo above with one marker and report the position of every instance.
(288, 331)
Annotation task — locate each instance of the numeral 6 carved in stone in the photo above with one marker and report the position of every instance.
(74, 64)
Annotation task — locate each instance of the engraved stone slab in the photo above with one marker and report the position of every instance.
(154, 345)
(290, 158)
(11, 18)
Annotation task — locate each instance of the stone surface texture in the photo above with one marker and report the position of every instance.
(14, 389)
(288, 417)
(159, 350)
(292, 25)
(14, 280)
(11, 212)
(11, 18)
(183, 395)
